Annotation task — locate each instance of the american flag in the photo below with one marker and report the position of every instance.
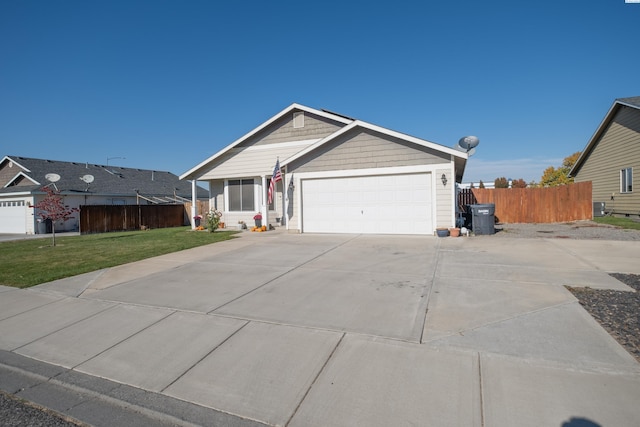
(277, 176)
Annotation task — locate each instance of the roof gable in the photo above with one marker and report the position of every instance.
(201, 168)
(384, 131)
(21, 179)
(239, 164)
(632, 102)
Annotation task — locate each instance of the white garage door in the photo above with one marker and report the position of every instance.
(13, 217)
(384, 204)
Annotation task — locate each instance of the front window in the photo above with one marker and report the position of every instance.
(626, 180)
(241, 197)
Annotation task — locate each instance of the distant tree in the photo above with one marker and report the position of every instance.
(519, 183)
(552, 177)
(481, 185)
(52, 207)
(501, 182)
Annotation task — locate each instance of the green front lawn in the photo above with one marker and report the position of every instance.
(618, 222)
(30, 262)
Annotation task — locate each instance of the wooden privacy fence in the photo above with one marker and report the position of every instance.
(106, 218)
(202, 207)
(535, 205)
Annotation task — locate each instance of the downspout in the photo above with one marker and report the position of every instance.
(194, 200)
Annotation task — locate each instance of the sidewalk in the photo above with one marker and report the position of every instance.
(330, 332)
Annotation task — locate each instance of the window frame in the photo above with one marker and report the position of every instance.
(626, 180)
(243, 198)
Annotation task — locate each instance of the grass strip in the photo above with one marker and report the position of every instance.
(618, 222)
(29, 262)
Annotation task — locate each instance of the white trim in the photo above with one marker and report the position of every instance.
(194, 201)
(365, 125)
(17, 194)
(396, 170)
(256, 197)
(189, 174)
(14, 162)
(21, 173)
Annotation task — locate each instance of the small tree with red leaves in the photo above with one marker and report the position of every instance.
(52, 207)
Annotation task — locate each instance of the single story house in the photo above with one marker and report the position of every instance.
(339, 175)
(611, 157)
(22, 180)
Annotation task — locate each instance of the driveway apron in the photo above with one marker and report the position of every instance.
(341, 330)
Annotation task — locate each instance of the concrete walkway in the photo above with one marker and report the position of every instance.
(329, 330)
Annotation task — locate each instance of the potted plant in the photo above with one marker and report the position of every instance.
(258, 219)
(442, 232)
(454, 232)
(196, 220)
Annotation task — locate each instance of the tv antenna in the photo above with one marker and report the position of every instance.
(111, 158)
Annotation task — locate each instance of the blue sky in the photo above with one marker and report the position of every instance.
(165, 84)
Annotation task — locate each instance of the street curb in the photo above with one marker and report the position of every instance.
(100, 402)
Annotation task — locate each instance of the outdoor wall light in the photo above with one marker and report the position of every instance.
(444, 179)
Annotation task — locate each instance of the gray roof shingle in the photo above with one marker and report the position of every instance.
(108, 180)
(634, 100)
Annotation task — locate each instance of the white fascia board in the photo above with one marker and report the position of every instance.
(191, 174)
(14, 162)
(393, 170)
(16, 194)
(19, 174)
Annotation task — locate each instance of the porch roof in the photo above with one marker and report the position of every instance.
(256, 160)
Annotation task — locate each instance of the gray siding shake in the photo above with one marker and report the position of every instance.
(363, 149)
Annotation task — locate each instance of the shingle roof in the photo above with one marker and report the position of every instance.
(634, 100)
(111, 180)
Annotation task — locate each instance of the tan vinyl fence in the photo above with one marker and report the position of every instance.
(107, 218)
(564, 203)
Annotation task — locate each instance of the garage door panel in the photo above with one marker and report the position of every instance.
(13, 217)
(387, 204)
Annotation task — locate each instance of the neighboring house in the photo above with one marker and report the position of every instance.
(611, 158)
(22, 180)
(340, 175)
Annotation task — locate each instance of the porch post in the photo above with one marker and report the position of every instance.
(194, 201)
(265, 206)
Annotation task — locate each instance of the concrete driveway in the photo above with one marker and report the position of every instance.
(334, 330)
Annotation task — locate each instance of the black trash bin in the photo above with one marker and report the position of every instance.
(483, 218)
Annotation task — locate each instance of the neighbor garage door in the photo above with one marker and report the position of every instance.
(13, 217)
(381, 204)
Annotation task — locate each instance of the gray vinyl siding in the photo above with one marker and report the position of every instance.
(363, 149)
(282, 130)
(618, 148)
